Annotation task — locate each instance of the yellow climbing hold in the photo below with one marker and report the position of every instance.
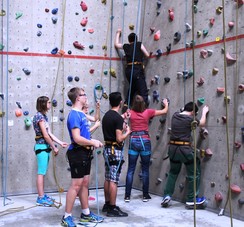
(112, 72)
(217, 39)
(131, 27)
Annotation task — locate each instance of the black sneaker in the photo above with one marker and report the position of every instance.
(105, 207)
(116, 212)
(146, 197)
(127, 199)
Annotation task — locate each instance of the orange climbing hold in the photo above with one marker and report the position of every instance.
(157, 35)
(83, 6)
(90, 30)
(235, 189)
(171, 14)
(18, 112)
(218, 197)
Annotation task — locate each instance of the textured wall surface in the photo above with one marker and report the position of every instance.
(24, 49)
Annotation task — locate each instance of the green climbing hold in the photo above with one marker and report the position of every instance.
(201, 100)
(18, 15)
(190, 73)
(1, 46)
(105, 72)
(205, 32)
(18, 78)
(28, 122)
(195, 9)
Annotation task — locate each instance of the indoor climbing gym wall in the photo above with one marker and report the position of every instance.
(48, 47)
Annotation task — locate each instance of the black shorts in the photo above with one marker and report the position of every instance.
(79, 162)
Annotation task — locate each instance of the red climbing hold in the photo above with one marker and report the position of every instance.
(91, 71)
(242, 166)
(237, 145)
(235, 188)
(211, 21)
(218, 197)
(78, 45)
(208, 152)
(231, 24)
(18, 112)
(241, 87)
(83, 6)
(84, 22)
(171, 14)
(90, 30)
(157, 35)
(220, 90)
(239, 2)
(200, 82)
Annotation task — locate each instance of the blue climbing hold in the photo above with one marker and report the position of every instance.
(54, 103)
(70, 78)
(39, 33)
(39, 25)
(54, 51)
(26, 113)
(54, 11)
(68, 103)
(54, 20)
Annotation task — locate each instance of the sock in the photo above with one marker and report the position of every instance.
(86, 211)
(67, 215)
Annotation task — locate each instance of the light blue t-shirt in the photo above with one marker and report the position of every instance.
(77, 119)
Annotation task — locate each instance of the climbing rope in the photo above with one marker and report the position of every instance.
(134, 51)
(227, 122)
(60, 189)
(194, 117)
(5, 161)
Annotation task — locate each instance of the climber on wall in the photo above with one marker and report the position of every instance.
(134, 68)
(180, 151)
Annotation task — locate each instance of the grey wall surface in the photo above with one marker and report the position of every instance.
(49, 77)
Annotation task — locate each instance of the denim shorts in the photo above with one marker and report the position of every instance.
(140, 145)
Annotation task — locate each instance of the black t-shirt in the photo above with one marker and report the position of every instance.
(181, 127)
(111, 122)
(129, 50)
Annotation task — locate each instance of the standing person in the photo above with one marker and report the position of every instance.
(44, 144)
(115, 132)
(140, 144)
(180, 151)
(79, 156)
(134, 61)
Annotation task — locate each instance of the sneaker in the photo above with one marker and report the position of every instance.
(44, 201)
(48, 198)
(116, 212)
(146, 197)
(91, 218)
(199, 200)
(165, 201)
(127, 199)
(105, 207)
(68, 222)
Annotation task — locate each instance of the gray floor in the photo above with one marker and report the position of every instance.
(25, 213)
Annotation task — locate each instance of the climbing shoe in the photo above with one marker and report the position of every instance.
(165, 201)
(68, 222)
(91, 218)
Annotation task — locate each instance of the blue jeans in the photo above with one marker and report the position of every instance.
(138, 146)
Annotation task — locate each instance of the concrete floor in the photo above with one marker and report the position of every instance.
(140, 213)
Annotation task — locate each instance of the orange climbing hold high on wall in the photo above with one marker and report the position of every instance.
(157, 35)
(235, 189)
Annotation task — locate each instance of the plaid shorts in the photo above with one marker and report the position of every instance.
(113, 163)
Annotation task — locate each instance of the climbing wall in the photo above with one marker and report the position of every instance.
(49, 47)
(171, 75)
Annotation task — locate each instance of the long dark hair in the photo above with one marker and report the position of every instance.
(41, 104)
(138, 104)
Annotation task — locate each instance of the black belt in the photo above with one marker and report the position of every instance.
(88, 147)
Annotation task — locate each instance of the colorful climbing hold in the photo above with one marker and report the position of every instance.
(201, 100)
(159, 3)
(18, 15)
(219, 9)
(200, 82)
(131, 27)
(152, 29)
(218, 197)
(241, 87)
(112, 72)
(90, 30)
(78, 45)
(55, 11)
(39, 25)
(220, 90)
(91, 71)
(76, 78)
(157, 35)
(2, 12)
(39, 33)
(171, 14)
(215, 71)
(168, 48)
(54, 20)
(211, 21)
(68, 103)
(235, 189)
(84, 21)
(28, 122)
(166, 79)
(54, 51)
(46, 10)
(159, 52)
(231, 24)
(1, 46)
(18, 112)
(205, 32)
(155, 96)
(54, 103)
(188, 27)
(204, 53)
(83, 6)
(70, 78)
(239, 2)
(199, 33)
